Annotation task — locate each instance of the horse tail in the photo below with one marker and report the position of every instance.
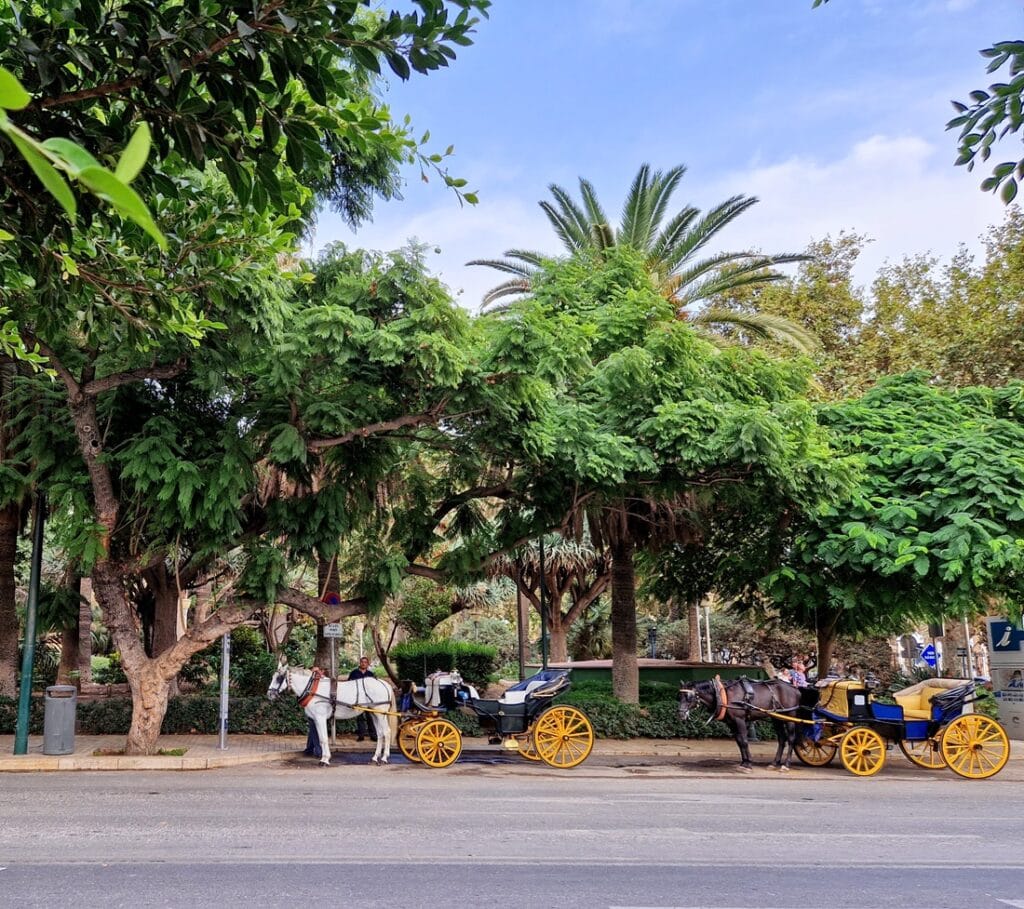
(392, 714)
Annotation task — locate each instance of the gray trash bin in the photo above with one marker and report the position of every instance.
(59, 709)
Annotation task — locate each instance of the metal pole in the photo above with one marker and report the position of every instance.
(543, 611)
(334, 672)
(521, 625)
(707, 630)
(28, 653)
(225, 668)
(967, 644)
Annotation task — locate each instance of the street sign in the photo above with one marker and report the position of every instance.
(928, 655)
(333, 630)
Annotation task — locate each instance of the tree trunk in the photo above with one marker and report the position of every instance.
(328, 584)
(9, 628)
(69, 643)
(165, 618)
(625, 671)
(827, 622)
(558, 640)
(85, 630)
(694, 647)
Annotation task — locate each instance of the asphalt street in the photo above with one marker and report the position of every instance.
(623, 833)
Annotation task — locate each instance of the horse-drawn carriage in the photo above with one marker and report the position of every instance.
(523, 719)
(932, 722)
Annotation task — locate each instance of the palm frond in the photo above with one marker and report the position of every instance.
(595, 213)
(662, 187)
(634, 212)
(523, 269)
(514, 287)
(566, 228)
(706, 228)
(572, 218)
(763, 325)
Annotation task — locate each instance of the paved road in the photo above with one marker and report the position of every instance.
(626, 833)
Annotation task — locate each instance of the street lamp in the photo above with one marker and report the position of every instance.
(652, 640)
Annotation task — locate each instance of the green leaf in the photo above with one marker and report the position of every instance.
(133, 158)
(4, 236)
(76, 157)
(1009, 192)
(69, 265)
(123, 198)
(47, 175)
(921, 565)
(12, 95)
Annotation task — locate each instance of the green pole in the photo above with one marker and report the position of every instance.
(543, 610)
(29, 650)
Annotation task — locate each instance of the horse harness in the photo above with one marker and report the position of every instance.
(310, 693)
(722, 704)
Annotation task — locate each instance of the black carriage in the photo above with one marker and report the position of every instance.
(932, 722)
(523, 720)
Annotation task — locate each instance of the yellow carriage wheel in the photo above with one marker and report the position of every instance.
(862, 751)
(926, 753)
(527, 747)
(563, 736)
(407, 733)
(975, 746)
(438, 743)
(818, 753)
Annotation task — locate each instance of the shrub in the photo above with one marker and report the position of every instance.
(417, 659)
(109, 673)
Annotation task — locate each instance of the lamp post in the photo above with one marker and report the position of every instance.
(543, 611)
(29, 650)
(652, 641)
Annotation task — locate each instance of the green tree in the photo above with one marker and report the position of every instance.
(935, 525)
(672, 249)
(640, 422)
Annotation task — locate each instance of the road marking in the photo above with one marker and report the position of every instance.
(1017, 904)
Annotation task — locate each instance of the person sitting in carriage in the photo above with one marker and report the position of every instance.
(797, 673)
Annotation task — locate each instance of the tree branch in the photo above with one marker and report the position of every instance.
(372, 429)
(117, 379)
(317, 608)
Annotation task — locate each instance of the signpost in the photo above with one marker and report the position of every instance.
(1006, 662)
(929, 656)
(333, 631)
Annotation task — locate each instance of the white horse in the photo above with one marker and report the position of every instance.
(369, 695)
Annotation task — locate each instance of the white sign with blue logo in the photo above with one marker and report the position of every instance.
(1006, 660)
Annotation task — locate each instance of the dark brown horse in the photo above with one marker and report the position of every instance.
(741, 701)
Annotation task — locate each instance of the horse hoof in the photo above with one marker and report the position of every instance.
(783, 769)
(324, 764)
(746, 768)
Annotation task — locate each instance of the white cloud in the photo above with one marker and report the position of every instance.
(484, 231)
(899, 191)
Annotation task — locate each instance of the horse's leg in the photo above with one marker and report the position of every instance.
(782, 737)
(383, 750)
(320, 718)
(739, 727)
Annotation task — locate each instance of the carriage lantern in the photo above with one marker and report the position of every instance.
(652, 641)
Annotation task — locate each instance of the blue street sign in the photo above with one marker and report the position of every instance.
(1005, 637)
(929, 656)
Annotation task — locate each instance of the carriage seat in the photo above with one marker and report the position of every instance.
(545, 684)
(917, 702)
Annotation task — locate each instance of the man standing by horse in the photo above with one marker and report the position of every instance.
(362, 671)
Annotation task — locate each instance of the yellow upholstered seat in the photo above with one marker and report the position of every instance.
(916, 700)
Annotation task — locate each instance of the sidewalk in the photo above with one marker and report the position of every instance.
(203, 752)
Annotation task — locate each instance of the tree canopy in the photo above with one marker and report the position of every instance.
(935, 524)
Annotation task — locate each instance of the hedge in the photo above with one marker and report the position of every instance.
(198, 714)
(415, 660)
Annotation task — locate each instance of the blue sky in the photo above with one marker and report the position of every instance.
(833, 117)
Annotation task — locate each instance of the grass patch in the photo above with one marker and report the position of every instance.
(172, 752)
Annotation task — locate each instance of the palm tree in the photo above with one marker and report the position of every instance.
(672, 251)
